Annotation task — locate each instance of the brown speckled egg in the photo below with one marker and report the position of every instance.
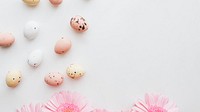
(62, 46)
(31, 2)
(13, 78)
(75, 71)
(54, 79)
(56, 2)
(6, 39)
(79, 24)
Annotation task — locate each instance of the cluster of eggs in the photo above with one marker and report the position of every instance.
(63, 45)
(74, 71)
(36, 2)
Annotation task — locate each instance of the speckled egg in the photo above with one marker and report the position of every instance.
(56, 2)
(54, 79)
(75, 71)
(35, 58)
(31, 2)
(31, 30)
(79, 24)
(62, 46)
(6, 39)
(13, 78)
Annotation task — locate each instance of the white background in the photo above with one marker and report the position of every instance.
(132, 47)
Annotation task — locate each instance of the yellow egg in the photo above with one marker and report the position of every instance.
(13, 78)
(31, 2)
(75, 71)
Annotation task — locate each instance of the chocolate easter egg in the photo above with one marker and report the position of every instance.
(79, 24)
(13, 78)
(6, 39)
(62, 46)
(54, 79)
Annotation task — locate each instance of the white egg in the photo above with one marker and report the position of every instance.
(31, 30)
(35, 58)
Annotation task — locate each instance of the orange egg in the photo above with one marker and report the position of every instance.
(6, 39)
(56, 2)
(62, 46)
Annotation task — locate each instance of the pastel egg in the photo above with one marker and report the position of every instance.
(54, 79)
(56, 2)
(35, 58)
(79, 24)
(75, 71)
(13, 78)
(31, 30)
(31, 2)
(62, 46)
(6, 39)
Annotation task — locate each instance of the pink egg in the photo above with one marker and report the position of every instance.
(54, 79)
(6, 39)
(56, 2)
(62, 46)
(79, 24)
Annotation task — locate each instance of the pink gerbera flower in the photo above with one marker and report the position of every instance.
(100, 110)
(155, 103)
(31, 108)
(67, 102)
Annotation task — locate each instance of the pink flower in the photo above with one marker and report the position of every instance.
(155, 103)
(100, 110)
(31, 108)
(67, 102)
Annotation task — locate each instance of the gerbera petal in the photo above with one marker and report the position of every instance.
(170, 105)
(101, 110)
(174, 110)
(30, 108)
(162, 100)
(151, 100)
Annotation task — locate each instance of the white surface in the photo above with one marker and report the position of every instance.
(132, 47)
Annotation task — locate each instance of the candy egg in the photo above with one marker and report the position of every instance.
(13, 78)
(35, 58)
(56, 2)
(31, 30)
(6, 39)
(62, 46)
(75, 71)
(54, 79)
(79, 24)
(31, 2)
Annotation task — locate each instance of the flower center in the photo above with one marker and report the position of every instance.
(156, 109)
(68, 108)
